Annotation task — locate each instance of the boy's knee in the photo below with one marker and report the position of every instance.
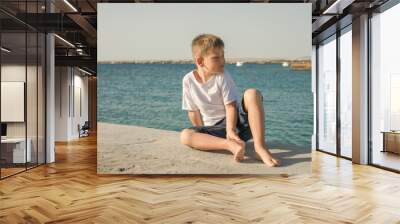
(252, 93)
(186, 136)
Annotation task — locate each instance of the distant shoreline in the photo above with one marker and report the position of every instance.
(273, 61)
(293, 64)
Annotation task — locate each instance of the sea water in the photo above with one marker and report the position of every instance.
(150, 95)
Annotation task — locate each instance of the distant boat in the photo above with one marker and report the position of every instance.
(300, 65)
(239, 63)
(285, 64)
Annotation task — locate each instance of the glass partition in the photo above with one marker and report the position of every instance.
(327, 96)
(41, 87)
(32, 95)
(14, 153)
(22, 77)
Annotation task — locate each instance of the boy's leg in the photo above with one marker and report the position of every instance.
(204, 141)
(255, 110)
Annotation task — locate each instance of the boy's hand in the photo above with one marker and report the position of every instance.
(232, 135)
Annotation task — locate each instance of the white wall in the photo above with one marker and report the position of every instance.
(62, 81)
(12, 101)
(80, 89)
(17, 73)
(33, 127)
(70, 83)
(14, 73)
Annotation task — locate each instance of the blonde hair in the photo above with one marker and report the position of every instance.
(202, 43)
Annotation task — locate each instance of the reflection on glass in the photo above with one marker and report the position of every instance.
(386, 89)
(22, 91)
(395, 102)
(346, 94)
(327, 97)
(41, 98)
(31, 101)
(14, 150)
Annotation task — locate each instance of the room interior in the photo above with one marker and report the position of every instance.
(48, 92)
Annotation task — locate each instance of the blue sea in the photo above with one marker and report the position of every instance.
(150, 95)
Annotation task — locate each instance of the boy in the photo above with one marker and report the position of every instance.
(220, 120)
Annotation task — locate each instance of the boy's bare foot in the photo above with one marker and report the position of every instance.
(237, 148)
(266, 157)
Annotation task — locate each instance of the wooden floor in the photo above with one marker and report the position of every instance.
(69, 191)
(5, 172)
(387, 159)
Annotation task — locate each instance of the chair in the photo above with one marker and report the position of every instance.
(84, 130)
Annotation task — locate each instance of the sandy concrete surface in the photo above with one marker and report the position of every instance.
(125, 149)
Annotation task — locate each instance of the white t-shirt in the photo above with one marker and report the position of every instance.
(210, 97)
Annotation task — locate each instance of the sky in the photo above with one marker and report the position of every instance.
(164, 31)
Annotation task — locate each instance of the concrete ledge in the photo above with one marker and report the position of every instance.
(125, 149)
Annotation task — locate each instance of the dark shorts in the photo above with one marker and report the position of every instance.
(219, 129)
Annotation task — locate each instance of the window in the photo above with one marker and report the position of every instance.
(327, 96)
(385, 88)
(346, 92)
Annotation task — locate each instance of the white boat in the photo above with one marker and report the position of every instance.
(285, 64)
(239, 63)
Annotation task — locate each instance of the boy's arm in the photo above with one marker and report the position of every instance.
(231, 120)
(195, 118)
(229, 97)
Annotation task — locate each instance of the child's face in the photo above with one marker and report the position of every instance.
(213, 62)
